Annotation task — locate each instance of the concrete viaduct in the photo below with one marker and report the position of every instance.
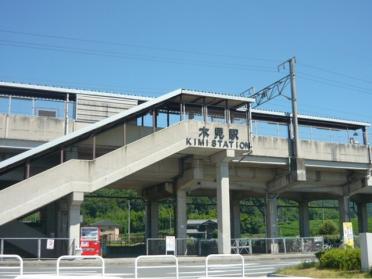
(184, 142)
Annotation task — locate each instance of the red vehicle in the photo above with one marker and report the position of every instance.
(90, 242)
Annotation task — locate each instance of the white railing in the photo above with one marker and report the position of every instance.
(101, 267)
(207, 265)
(136, 267)
(20, 267)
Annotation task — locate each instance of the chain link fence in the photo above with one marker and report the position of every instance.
(205, 247)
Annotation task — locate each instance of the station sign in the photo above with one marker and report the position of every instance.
(219, 137)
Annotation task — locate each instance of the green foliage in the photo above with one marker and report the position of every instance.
(328, 228)
(341, 259)
(307, 264)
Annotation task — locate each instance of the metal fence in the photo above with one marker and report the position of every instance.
(39, 248)
(205, 247)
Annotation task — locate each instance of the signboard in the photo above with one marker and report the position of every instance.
(348, 234)
(50, 244)
(170, 244)
(219, 137)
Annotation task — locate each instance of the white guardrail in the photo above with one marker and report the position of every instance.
(101, 267)
(20, 267)
(207, 265)
(172, 257)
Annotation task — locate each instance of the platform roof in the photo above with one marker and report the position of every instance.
(316, 121)
(57, 93)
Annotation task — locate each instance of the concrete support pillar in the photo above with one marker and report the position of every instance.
(181, 221)
(223, 208)
(152, 219)
(76, 199)
(362, 217)
(344, 209)
(62, 217)
(235, 218)
(181, 214)
(49, 219)
(271, 216)
(303, 208)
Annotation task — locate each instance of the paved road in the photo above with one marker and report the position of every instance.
(186, 270)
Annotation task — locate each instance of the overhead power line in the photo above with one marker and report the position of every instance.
(121, 55)
(356, 89)
(336, 73)
(340, 83)
(113, 43)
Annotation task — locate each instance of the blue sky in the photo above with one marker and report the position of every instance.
(151, 47)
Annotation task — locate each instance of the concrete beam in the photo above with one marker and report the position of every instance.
(223, 156)
(158, 192)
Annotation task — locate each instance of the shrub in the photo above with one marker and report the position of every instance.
(328, 228)
(341, 258)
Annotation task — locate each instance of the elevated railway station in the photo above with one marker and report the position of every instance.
(57, 144)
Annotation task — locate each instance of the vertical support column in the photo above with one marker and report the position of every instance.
(181, 222)
(27, 169)
(181, 214)
(362, 217)
(152, 218)
(124, 133)
(271, 216)
(204, 111)
(33, 107)
(168, 120)
(223, 207)
(154, 120)
(365, 135)
(94, 148)
(10, 105)
(249, 123)
(181, 108)
(235, 218)
(66, 113)
(344, 210)
(76, 200)
(61, 155)
(227, 113)
(303, 210)
(49, 219)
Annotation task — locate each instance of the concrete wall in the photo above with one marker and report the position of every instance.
(32, 128)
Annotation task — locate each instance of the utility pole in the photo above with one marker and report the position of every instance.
(292, 78)
(292, 72)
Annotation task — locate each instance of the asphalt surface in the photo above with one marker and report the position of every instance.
(188, 268)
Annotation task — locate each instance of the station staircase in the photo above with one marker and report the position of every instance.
(88, 176)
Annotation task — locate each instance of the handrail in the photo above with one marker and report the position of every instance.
(136, 267)
(102, 267)
(223, 256)
(11, 267)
